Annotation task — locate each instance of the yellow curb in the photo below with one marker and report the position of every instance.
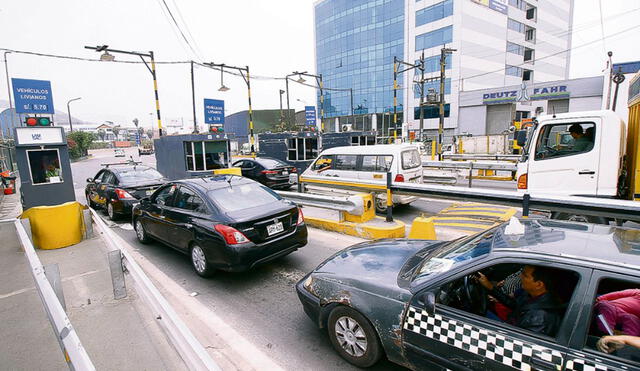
(397, 230)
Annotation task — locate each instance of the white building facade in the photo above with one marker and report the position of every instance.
(498, 43)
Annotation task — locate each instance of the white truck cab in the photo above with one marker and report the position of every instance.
(574, 154)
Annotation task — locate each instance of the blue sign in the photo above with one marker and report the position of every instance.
(213, 111)
(310, 115)
(137, 138)
(32, 96)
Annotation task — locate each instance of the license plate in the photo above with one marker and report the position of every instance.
(149, 192)
(285, 173)
(275, 228)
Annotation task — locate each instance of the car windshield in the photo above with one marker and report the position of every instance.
(242, 196)
(139, 175)
(270, 163)
(456, 252)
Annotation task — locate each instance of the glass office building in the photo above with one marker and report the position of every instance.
(356, 41)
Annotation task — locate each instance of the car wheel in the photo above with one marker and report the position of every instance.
(141, 233)
(199, 261)
(90, 203)
(110, 212)
(353, 337)
(381, 205)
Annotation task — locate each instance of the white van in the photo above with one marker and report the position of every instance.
(372, 163)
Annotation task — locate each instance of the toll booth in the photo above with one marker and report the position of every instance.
(192, 155)
(296, 148)
(348, 138)
(44, 166)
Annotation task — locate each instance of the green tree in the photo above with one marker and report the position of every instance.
(102, 134)
(82, 140)
(115, 130)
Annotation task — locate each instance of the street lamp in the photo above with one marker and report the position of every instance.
(222, 87)
(110, 58)
(301, 79)
(320, 85)
(69, 112)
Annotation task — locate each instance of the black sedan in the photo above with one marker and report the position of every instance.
(424, 304)
(225, 222)
(269, 171)
(117, 188)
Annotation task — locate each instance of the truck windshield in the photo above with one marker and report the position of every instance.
(527, 144)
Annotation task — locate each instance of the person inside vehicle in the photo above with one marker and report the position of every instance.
(533, 308)
(620, 310)
(581, 142)
(609, 344)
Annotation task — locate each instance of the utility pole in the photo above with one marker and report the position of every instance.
(193, 101)
(421, 97)
(6, 70)
(443, 63)
(396, 71)
(281, 113)
(610, 68)
(110, 58)
(69, 112)
(291, 124)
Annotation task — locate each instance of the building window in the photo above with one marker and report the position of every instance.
(515, 25)
(515, 48)
(302, 149)
(210, 155)
(513, 71)
(530, 34)
(528, 54)
(531, 12)
(437, 37)
(430, 112)
(520, 4)
(434, 12)
(44, 166)
(527, 75)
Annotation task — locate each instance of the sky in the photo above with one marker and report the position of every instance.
(272, 37)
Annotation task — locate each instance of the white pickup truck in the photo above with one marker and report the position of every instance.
(591, 153)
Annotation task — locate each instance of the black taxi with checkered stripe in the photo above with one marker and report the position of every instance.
(423, 304)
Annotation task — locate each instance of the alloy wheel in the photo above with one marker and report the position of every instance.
(351, 336)
(198, 259)
(140, 230)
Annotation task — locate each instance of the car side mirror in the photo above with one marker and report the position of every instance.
(89, 180)
(521, 137)
(429, 299)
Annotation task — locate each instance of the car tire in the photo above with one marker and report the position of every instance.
(381, 205)
(199, 261)
(111, 213)
(141, 233)
(353, 337)
(580, 218)
(90, 203)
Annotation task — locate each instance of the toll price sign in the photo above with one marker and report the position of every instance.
(310, 115)
(213, 111)
(32, 96)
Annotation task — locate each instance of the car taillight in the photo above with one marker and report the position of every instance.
(122, 194)
(522, 181)
(300, 217)
(399, 178)
(231, 235)
(269, 172)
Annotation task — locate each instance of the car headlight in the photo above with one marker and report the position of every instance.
(308, 285)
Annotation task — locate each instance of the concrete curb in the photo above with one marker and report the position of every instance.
(395, 229)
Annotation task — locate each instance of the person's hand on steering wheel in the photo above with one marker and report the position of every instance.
(484, 281)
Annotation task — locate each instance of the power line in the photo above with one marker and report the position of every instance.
(186, 26)
(179, 29)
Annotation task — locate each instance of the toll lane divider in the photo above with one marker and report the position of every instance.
(192, 352)
(75, 354)
(610, 208)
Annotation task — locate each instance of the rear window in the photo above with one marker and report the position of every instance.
(270, 163)
(411, 159)
(139, 175)
(242, 196)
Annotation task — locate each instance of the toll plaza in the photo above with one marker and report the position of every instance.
(296, 148)
(43, 163)
(192, 155)
(348, 138)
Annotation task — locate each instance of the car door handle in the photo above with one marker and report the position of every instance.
(162, 217)
(586, 172)
(541, 363)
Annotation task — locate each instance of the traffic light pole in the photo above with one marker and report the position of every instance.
(396, 71)
(152, 70)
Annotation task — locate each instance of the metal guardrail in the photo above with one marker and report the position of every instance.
(74, 353)
(470, 157)
(351, 204)
(470, 165)
(610, 208)
(192, 352)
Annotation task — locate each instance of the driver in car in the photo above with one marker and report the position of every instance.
(533, 307)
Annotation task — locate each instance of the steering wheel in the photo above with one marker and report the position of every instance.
(475, 295)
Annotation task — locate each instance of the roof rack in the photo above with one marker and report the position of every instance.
(130, 162)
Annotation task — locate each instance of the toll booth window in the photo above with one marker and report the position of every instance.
(565, 140)
(371, 140)
(44, 166)
(201, 156)
(302, 149)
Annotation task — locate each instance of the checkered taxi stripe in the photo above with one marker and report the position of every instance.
(583, 365)
(488, 344)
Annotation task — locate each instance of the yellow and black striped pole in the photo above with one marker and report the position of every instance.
(155, 90)
(321, 103)
(395, 98)
(251, 138)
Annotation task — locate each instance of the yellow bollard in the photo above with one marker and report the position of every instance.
(423, 229)
(433, 150)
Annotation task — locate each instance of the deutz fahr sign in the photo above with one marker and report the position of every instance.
(32, 96)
